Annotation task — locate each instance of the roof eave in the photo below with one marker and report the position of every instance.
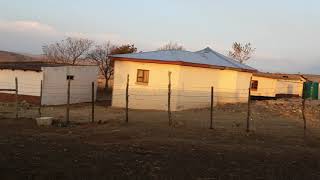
(182, 63)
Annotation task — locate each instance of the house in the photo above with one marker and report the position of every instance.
(192, 74)
(276, 85)
(54, 82)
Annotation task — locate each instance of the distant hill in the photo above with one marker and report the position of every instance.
(6, 56)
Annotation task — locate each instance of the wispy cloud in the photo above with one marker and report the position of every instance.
(29, 36)
(27, 27)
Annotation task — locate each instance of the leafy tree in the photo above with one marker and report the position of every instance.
(241, 52)
(68, 51)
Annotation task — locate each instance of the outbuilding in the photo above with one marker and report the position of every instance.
(190, 75)
(54, 78)
(276, 85)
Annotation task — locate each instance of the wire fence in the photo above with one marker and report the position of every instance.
(193, 106)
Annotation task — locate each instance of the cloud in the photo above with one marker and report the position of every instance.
(26, 27)
(30, 36)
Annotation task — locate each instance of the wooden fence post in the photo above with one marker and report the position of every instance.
(127, 100)
(40, 105)
(17, 99)
(92, 102)
(249, 106)
(68, 103)
(303, 114)
(169, 99)
(249, 110)
(211, 108)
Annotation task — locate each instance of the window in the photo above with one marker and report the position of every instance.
(254, 85)
(70, 77)
(143, 76)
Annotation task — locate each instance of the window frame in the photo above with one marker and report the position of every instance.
(256, 83)
(144, 79)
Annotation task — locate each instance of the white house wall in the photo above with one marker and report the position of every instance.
(195, 87)
(266, 87)
(292, 87)
(151, 96)
(191, 86)
(28, 81)
(55, 84)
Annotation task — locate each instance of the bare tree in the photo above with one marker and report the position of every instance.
(100, 54)
(241, 52)
(172, 46)
(67, 51)
(124, 49)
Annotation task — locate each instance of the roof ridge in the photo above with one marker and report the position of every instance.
(229, 60)
(204, 56)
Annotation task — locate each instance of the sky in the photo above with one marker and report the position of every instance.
(286, 33)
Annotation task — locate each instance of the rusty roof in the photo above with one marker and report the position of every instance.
(312, 77)
(27, 66)
(279, 75)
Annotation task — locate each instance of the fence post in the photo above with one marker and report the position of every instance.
(17, 100)
(92, 102)
(249, 106)
(127, 100)
(303, 114)
(68, 103)
(211, 108)
(40, 106)
(169, 99)
(249, 110)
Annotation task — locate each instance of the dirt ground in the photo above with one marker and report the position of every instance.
(147, 148)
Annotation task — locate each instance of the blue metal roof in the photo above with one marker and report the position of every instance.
(206, 56)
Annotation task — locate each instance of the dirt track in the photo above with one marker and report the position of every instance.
(147, 148)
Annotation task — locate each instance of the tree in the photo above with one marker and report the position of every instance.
(100, 54)
(124, 49)
(172, 46)
(241, 52)
(68, 51)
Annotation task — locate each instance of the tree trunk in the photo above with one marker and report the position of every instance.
(106, 86)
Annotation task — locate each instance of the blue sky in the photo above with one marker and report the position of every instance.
(285, 33)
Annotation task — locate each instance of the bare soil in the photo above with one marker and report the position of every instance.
(147, 148)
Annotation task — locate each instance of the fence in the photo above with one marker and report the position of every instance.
(31, 95)
(203, 96)
(207, 96)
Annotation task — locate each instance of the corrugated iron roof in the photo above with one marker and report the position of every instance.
(27, 66)
(278, 75)
(312, 77)
(206, 56)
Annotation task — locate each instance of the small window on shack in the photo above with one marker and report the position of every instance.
(143, 76)
(70, 77)
(254, 85)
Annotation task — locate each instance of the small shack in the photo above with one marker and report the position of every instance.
(54, 78)
(277, 85)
